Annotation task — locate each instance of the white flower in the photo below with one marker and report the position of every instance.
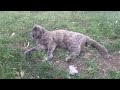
(116, 21)
(72, 70)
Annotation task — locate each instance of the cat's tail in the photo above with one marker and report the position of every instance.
(103, 51)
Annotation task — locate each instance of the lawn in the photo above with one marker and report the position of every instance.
(15, 28)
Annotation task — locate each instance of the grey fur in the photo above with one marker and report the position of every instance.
(73, 41)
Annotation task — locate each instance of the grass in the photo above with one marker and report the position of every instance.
(99, 25)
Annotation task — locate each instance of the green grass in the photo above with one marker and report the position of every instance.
(101, 26)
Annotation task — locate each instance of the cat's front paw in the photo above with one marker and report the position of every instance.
(27, 53)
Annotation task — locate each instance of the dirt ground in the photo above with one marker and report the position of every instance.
(91, 55)
(102, 64)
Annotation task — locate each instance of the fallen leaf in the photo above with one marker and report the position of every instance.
(119, 52)
(38, 77)
(56, 77)
(87, 55)
(27, 44)
(22, 74)
(18, 75)
(58, 62)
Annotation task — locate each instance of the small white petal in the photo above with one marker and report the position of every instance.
(28, 44)
(12, 34)
(22, 74)
(73, 22)
(116, 21)
(119, 52)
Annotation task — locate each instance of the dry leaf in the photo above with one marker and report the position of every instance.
(22, 74)
(119, 52)
(27, 45)
(56, 77)
(57, 61)
(18, 75)
(87, 55)
(38, 77)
